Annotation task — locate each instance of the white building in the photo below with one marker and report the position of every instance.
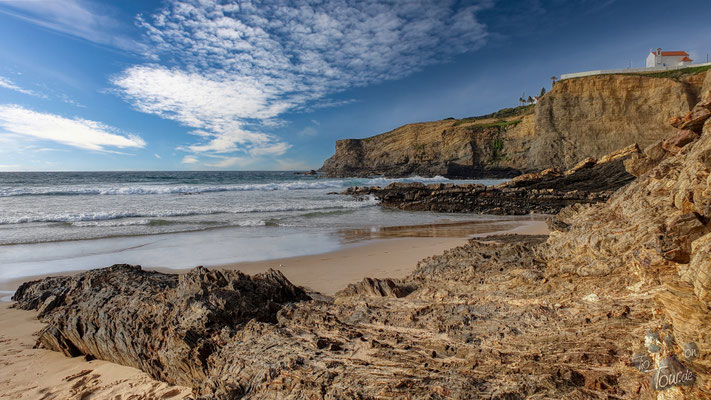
(661, 58)
(657, 61)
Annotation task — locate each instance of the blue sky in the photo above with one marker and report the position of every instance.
(262, 85)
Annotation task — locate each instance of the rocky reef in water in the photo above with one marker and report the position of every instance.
(546, 192)
(579, 118)
(504, 317)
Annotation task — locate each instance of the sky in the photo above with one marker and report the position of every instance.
(271, 85)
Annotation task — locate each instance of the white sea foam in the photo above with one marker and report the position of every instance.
(89, 219)
(133, 189)
(164, 189)
(6, 295)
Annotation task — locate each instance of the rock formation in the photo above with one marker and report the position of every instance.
(547, 192)
(579, 118)
(612, 303)
(164, 324)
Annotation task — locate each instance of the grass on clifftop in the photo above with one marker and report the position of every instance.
(673, 74)
(498, 124)
(503, 113)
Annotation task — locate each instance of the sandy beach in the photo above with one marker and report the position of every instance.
(29, 373)
(393, 257)
(385, 252)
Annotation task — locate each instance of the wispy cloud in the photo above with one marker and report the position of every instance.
(76, 132)
(230, 70)
(239, 162)
(308, 131)
(78, 18)
(190, 160)
(218, 109)
(8, 84)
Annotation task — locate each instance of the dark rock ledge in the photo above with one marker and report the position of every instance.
(546, 192)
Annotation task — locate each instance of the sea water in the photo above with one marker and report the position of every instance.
(62, 221)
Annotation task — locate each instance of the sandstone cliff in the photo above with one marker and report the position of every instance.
(579, 118)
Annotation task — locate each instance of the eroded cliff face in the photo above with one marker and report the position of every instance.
(590, 117)
(579, 118)
(444, 147)
(657, 230)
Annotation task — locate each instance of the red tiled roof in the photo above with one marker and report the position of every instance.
(686, 59)
(673, 53)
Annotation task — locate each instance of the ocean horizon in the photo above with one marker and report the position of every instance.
(55, 222)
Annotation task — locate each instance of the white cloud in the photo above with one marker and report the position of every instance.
(156, 155)
(240, 162)
(84, 134)
(78, 18)
(313, 121)
(190, 160)
(217, 109)
(230, 70)
(8, 84)
(308, 131)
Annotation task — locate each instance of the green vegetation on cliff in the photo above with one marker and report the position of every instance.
(503, 113)
(677, 73)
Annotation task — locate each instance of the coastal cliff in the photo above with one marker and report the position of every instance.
(579, 118)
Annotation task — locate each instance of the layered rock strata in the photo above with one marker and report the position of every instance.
(479, 321)
(579, 118)
(164, 324)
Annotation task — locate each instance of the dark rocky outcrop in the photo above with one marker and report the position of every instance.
(547, 192)
(164, 324)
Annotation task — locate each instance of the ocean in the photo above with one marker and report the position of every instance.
(63, 221)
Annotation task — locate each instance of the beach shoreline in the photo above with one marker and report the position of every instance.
(390, 252)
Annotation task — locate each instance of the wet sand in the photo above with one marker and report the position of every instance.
(385, 252)
(395, 255)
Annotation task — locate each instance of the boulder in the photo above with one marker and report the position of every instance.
(164, 324)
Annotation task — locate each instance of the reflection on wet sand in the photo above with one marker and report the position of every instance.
(451, 229)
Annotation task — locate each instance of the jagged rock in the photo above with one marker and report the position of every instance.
(657, 230)
(164, 324)
(678, 140)
(698, 272)
(681, 231)
(500, 317)
(546, 192)
(695, 119)
(376, 287)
